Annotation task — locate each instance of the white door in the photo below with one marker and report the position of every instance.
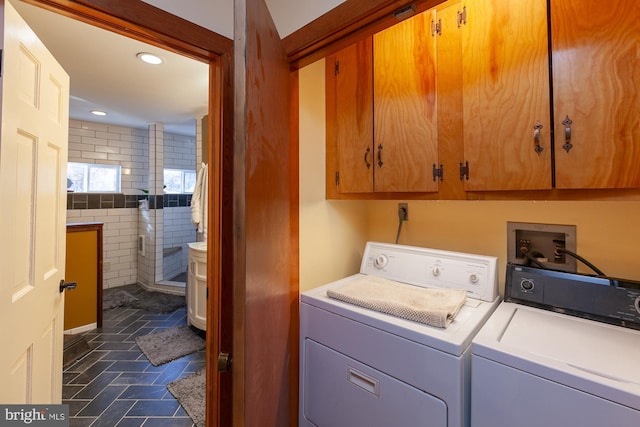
(33, 157)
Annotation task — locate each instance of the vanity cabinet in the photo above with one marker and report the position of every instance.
(507, 95)
(383, 120)
(83, 305)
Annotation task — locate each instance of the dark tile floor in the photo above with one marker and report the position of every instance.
(115, 385)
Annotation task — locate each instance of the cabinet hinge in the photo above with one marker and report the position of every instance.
(462, 17)
(436, 27)
(337, 179)
(438, 172)
(464, 171)
(337, 68)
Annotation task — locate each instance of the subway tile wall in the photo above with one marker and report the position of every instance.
(119, 251)
(91, 142)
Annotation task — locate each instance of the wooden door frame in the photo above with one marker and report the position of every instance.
(148, 24)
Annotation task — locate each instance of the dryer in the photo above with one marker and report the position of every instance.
(361, 367)
(562, 350)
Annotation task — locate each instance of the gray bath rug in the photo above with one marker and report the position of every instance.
(170, 344)
(135, 296)
(158, 302)
(116, 298)
(191, 393)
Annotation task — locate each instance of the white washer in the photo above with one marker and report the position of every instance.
(536, 366)
(360, 367)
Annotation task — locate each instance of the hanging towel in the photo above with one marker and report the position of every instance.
(435, 307)
(199, 201)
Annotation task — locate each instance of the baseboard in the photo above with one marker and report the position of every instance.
(81, 329)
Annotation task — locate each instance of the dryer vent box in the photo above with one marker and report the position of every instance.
(547, 244)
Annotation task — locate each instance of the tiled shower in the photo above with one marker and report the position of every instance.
(165, 227)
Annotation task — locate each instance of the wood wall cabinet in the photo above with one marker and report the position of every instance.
(349, 109)
(596, 85)
(519, 97)
(83, 305)
(405, 119)
(507, 97)
(383, 121)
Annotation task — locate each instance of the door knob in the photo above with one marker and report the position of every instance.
(67, 285)
(224, 362)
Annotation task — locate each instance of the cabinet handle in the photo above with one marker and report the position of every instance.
(380, 163)
(462, 17)
(567, 134)
(536, 137)
(366, 157)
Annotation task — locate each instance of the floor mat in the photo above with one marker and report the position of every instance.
(190, 391)
(170, 344)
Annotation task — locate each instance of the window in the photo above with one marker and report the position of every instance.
(179, 181)
(93, 178)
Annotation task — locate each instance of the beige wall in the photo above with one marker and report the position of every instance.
(607, 232)
(333, 233)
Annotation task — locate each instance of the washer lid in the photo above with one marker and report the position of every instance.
(592, 347)
(598, 358)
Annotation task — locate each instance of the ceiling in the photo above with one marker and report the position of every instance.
(106, 75)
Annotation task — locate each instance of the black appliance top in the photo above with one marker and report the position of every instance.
(605, 299)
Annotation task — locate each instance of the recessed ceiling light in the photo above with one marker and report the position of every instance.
(98, 113)
(149, 58)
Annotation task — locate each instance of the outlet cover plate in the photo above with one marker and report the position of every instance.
(541, 239)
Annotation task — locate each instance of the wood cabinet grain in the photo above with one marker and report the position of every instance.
(506, 95)
(596, 75)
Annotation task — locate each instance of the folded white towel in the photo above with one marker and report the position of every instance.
(435, 307)
(199, 201)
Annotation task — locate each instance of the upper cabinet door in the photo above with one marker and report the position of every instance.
(405, 114)
(350, 119)
(596, 73)
(506, 108)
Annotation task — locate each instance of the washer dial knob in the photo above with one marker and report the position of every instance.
(637, 304)
(527, 285)
(474, 278)
(380, 261)
(435, 271)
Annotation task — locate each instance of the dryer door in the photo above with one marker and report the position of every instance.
(340, 391)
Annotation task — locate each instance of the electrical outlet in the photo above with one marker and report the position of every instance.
(546, 243)
(403, 211)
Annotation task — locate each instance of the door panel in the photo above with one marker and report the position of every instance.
(405, 112)
(264, 292)
(33, 158)
(505, 94)
(596, 70)
(353, 111)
